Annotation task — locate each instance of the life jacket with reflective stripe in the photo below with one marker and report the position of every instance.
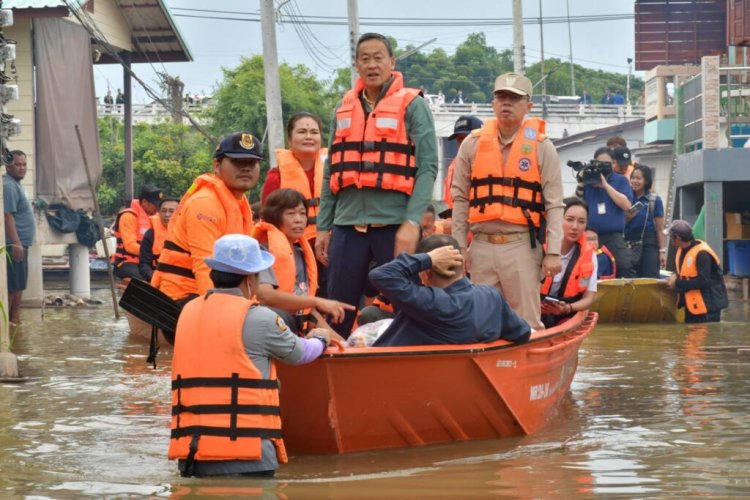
(122, 256)
(144, 220)
(284, 266)
(695, 301)
(509, 190)
(174, 273)
(293, 176)
(604, 250)
(222, 407)
(577, 276)
(447, 197)
(160, 234)
(374, 151)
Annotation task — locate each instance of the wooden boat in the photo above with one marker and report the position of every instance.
(639, 300)
(370, 398)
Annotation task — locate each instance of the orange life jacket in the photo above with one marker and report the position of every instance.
(144, 220)
(221, 405)
(284, 266)
(160, 234)
(174, 274)
(121, 255)
(510, 191)
(694, 300)
(293, 176)
(374, 151)
(447, 197)
(383, 303)
(604, 250)
(577, 275)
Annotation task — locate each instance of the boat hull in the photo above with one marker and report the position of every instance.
(639, 300)
(373, 398)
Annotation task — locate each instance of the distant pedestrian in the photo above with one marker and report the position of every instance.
(607, 97)
(459, 99)
(108, 101)
(120, 99)
(585, 98)
(618, 99)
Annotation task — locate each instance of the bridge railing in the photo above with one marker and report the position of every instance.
(146, 110)
(598, 110)
(155, 110)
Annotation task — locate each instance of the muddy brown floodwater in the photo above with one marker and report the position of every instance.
(652, 412)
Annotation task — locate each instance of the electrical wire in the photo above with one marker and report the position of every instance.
(101, 40)
(411, 22)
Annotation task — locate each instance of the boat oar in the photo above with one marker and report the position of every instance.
(152, 306)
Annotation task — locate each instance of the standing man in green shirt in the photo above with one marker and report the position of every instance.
(378, 178)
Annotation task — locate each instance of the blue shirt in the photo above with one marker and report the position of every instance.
(604, 216)
(17, 203)
(634, 228)
(462, 313)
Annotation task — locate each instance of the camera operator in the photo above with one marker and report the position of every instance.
(608, 198)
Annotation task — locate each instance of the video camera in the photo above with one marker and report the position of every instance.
(592, 171)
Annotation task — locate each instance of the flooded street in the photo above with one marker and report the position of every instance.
(651, 413)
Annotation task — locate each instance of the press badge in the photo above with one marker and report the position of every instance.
(601, 208)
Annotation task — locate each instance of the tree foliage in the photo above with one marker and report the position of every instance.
(475, 65)
(167, 155)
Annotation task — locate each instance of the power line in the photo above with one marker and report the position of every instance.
(91, 27)
(411, 22)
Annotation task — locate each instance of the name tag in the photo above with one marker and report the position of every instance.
(601, 208)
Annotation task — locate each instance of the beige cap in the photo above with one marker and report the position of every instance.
(513, 82)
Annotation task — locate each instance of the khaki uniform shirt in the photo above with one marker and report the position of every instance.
(552, 192)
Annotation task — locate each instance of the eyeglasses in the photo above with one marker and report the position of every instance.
(510, 96)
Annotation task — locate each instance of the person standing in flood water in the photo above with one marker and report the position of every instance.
(698, 277)
(213, 206)
(225, 395)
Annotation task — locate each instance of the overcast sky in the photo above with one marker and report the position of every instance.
(215, 43)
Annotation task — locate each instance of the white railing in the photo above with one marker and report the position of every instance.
(556, 109)
(146, 110)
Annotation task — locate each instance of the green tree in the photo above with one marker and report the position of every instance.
(241, 102)
(166, 154)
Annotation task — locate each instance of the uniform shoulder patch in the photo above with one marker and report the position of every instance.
(476, 132)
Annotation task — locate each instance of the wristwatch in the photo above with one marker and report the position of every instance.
(322, 339)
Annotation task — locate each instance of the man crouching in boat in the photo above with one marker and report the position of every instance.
(448, 308)
(225, 395)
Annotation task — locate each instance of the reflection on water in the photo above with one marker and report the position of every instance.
(651, 412)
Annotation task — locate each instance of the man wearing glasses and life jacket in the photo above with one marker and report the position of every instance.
(506, 182)
(379, 175)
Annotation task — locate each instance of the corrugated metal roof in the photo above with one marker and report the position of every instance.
(155, 35)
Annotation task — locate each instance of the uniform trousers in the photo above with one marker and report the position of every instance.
(513, 268)
(349, 256)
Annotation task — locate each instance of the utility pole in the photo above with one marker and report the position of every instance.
(541, 65)
(570, 44)
(627, 87)
(273, 85)
(518, 49)
(353, 10)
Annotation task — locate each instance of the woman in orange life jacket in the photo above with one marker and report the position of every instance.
(282, 228)
(300, 167)
(572, 289)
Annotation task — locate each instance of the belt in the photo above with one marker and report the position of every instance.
(501, 239)
(362, 228)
